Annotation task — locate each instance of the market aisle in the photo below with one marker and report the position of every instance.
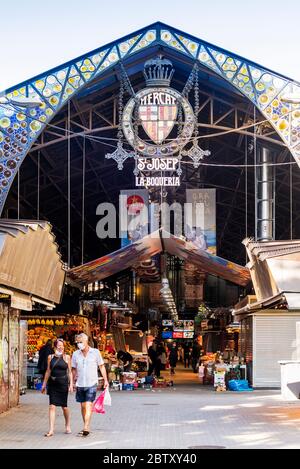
(183, 376)
(177, 417)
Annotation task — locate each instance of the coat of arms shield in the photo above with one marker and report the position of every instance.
(158, 120)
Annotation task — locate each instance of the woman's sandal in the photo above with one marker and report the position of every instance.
(49, 434)
(68, 432)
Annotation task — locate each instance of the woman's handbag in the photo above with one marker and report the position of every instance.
(54, 378)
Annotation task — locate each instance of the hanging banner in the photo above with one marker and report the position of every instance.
(134, 219)
(200, 218)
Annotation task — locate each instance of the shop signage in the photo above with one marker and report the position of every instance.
(177, 335)
(20, 301)
(183, 325)
(163, 115)
(188, 334)
(157, 164)
(4, 296)
(156, 181)
(166, 334)
(167, 322)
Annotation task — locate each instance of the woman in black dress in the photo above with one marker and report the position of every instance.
(58, 377)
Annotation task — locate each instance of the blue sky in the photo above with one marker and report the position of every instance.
(38, 35)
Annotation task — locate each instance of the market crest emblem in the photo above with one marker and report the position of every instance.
(158, 122)
(157, 108)
(158, 111)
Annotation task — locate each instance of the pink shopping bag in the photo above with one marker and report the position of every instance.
(98, 405)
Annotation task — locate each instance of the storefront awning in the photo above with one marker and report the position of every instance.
(129, 256)
(275, 269)
(30, 263)
(155, 243)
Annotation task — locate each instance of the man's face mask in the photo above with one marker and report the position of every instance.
(80, 345)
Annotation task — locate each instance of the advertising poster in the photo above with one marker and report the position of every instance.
(200, 222)
(134, 219)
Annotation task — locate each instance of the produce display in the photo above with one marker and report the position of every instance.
(37, 337)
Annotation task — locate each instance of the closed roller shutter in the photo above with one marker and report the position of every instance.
(274, 339)
(246, 344)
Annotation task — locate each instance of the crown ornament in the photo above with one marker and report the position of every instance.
(158, 71)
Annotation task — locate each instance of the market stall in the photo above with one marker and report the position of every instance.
(42, 328)
(32, 274)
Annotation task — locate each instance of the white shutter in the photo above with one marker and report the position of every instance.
(274, 339)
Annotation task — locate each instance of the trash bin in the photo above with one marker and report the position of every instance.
(290, 379)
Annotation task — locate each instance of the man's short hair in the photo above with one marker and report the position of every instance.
(82, 335)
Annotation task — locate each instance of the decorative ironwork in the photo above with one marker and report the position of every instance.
(120, 155)
(19, 129)
(195, 152)
(158, 72)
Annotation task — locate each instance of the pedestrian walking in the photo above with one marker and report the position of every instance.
(162, 356)
(44, 353)
(85, 364)
(187, 355)
(58, 381)
(173, 358)
(152, 354)
(196, 351)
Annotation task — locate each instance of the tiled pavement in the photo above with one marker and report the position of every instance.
(179, 417)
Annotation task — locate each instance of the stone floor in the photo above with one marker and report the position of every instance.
(186, 415)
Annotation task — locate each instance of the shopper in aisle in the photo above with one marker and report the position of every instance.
(59, 378)
(196, 351)
(162, 356)
(152, 354)
(85, 364)
(187, 355)
(173, 358)
(180, 353)
(44, 353)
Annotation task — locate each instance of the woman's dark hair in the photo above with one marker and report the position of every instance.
(56, 342)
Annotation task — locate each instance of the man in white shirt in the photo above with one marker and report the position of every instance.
(85, 363)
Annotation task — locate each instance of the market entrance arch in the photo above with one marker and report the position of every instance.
(65, 174)
(20, 132)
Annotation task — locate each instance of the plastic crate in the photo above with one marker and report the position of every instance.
(160, 383)
(127, 387)
(239, 385)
